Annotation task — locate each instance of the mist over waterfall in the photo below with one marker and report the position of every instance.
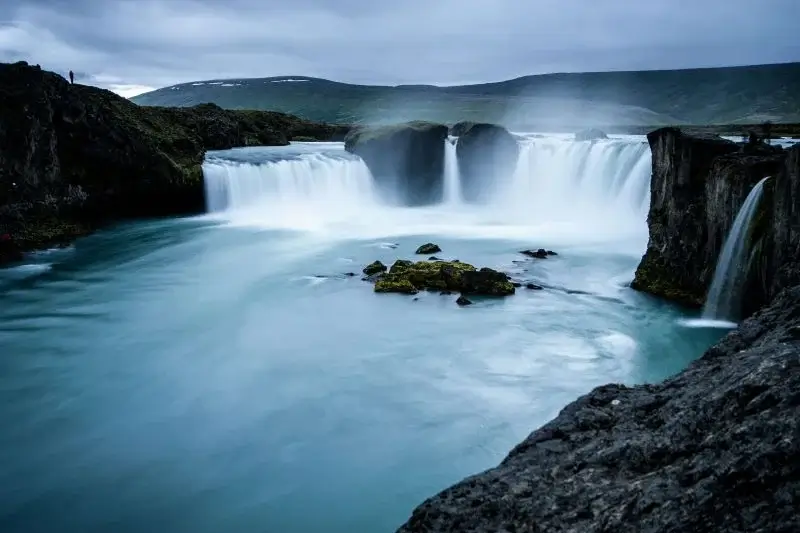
(294, 187)
(724, 299)
(452, 176)
(558, 176)
(560, 189)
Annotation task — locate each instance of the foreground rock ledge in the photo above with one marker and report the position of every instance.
(716, 448)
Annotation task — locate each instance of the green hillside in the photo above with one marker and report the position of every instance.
(730, 95)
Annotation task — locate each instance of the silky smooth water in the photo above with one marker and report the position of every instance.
(223, 373)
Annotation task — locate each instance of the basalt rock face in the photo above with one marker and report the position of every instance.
(486, 152)
(713, 449)
(782, 225)
(406, 160)
(698, 184)
(74, 157)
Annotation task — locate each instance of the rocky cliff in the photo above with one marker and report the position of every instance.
(714, 448)
(74, 157)
(406, 160)
(698, 184)
(486, 153)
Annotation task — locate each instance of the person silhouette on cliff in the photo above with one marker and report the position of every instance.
(71, 77)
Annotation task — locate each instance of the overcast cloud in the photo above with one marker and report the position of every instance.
(129, 45)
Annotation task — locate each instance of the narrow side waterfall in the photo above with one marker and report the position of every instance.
(452, 176)
(723, 302)
(294, 190)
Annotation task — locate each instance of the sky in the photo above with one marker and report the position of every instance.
(131, 46)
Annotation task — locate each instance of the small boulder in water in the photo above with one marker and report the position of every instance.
(533, 287)
(445, 276)
(541, 253)
(349, 274)
(486, 281)
(373, 268)
(590, 134)
(433, 258)
(428, 248)
(462, 301)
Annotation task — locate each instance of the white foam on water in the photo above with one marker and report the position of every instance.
(706, 323)
(562, 192)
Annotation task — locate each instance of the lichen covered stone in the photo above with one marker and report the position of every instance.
(443, 276)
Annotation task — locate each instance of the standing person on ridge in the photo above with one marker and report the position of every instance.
(71, 77)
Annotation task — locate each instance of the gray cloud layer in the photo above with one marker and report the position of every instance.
(116, 43)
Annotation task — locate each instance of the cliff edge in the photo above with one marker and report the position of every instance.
(713, 448)
(74, 157)
(698, 184)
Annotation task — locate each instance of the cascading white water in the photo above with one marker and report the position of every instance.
(560, 178)
(724, 297)
(302, 190)
(452, 176)
(578, 192)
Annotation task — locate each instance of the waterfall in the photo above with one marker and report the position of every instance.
(595, 181)
(567, 190)
(723, 302)
(452, 176)
(287, 188)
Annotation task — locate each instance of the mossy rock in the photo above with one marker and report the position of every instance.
(400, 265)
(373, 268)
(443, 276)
(428, 248)
(391, 284)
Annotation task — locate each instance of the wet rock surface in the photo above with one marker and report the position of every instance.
(428, 248)
(409, 277)
(485, 152)
(541, 253)
(714, 448)
(406, 160)
(699, 184)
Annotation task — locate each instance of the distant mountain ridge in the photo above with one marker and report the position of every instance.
(723, 95)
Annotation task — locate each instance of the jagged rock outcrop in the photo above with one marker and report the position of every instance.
(714, 449)
(73, 157)
(782, 227)
(486, 152)
(406, 160)
(698, 184)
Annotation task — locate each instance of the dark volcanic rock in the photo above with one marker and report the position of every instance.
(541, 253)
(74, 157)
(533, 287)
(462, 301)
(428, 248)
(590, 134)
(699, 183)
(407, 160)
(486, 153)
(486, 281)
(714, 449)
